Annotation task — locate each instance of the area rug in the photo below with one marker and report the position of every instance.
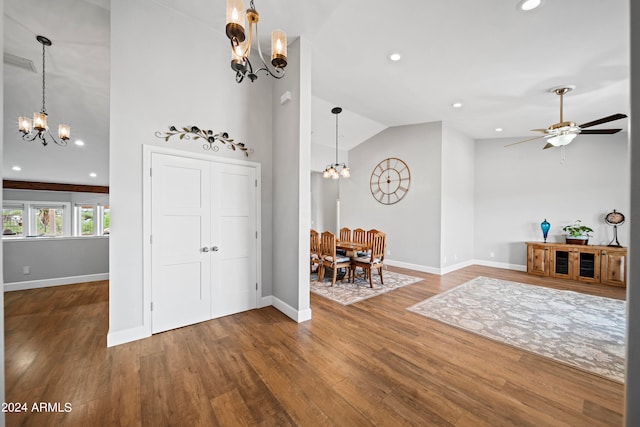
(347, 293)
(584, 331)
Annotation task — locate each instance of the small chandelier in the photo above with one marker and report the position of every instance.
(241, 46)
(39, 123)
(336, 170)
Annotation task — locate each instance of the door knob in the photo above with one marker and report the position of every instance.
(214, 248)
(205, 249)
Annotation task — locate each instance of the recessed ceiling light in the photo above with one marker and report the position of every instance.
(527, 5)
(16, 168)
(395, 56)
(456, 104)
(79, 142)
(498, 129)
(93, 175)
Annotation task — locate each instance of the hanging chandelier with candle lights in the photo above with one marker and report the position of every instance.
(241, 44)
(336, 170)
(38, 128)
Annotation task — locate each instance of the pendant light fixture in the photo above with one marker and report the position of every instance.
(336, 170)
(38, 128)
(241, 45)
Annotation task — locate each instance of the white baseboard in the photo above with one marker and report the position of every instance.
(265, 302)
(506, 266)
(449, 269)
(58, 281)
(410, 266)
(455, 267)
(298, 316)
(127, 335)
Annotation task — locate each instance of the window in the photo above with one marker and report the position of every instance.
(104, 216)
(12, 218)
(48, 220)
(54, 219)
(84, 220)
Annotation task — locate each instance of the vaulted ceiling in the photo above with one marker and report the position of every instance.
(498, 62)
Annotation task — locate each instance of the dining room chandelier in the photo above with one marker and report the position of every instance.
(241, 45)
(38, 128)
(336, 170)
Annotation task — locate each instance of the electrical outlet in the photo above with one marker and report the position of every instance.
(389, 252)
(26, 269)
(491, 255)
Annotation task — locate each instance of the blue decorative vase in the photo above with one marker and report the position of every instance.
(545, 229)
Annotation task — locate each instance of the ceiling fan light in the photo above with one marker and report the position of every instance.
(562, 139)
(345, 172)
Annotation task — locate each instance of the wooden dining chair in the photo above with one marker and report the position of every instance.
(314, 249)
(360, 236)
(373, 260)
(370, 234)
(328, 257)
(345, 234)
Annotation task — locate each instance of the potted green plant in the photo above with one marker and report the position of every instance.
(577, 234)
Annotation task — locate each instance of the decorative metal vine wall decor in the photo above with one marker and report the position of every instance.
(206, 134)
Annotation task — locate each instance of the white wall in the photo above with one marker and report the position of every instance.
(324, 193)
(518, 187)
(291, 182)
(457, 222)
(54, 261)
(632, 390)
(413, 224)
(169, 69)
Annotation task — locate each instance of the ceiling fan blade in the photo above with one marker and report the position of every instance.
(599, 131)
(604, 120)
(549, 145)
(526, 140)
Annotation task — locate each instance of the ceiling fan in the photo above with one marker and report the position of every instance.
(562, 133)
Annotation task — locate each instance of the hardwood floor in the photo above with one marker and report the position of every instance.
(371, 363)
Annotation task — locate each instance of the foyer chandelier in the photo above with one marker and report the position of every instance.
(241, 45)
(38, 128)
(336, 170)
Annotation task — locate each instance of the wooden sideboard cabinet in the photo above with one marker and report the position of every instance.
(586, 263)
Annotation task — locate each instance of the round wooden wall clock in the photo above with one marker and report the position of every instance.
(390, 181)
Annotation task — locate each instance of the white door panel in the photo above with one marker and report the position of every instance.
(181, 281)
(233, 231)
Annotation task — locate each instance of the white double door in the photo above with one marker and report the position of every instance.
(203, 240)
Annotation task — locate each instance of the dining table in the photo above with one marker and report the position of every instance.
(351, 248)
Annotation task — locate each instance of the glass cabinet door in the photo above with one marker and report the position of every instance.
(562, 263)
(588, 265)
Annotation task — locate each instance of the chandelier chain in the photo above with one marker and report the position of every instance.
(44, 110)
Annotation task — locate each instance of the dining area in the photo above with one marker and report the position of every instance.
(344, 254)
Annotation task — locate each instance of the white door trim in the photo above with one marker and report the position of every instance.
(147, 151)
